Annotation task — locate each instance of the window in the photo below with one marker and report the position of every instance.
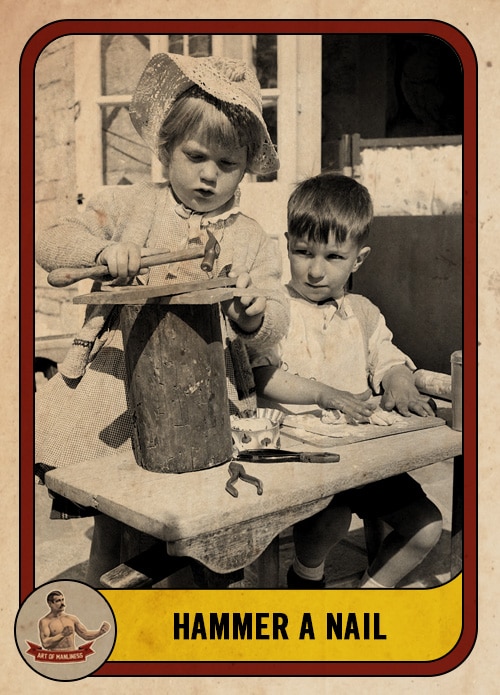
(109, 150)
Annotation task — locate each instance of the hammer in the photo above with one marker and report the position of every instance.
(62, 277)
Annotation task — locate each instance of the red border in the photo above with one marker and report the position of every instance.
(461, 45)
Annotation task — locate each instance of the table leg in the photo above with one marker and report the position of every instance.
(144, 570)
(267, 566)
(206, 578)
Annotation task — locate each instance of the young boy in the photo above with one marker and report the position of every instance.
(338, 352)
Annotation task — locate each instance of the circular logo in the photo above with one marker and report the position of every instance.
(65, 630)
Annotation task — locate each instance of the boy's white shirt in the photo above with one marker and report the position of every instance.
(326, 342)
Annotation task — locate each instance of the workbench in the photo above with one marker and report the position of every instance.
(196, 517)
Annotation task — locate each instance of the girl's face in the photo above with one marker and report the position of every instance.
(321, 271)
(204, 176)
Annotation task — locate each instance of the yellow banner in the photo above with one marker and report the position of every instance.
(286, 625)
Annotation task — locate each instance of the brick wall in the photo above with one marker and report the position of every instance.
(55, 177)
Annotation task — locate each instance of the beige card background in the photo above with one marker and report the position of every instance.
(479, 20)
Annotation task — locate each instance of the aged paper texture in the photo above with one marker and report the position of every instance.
(477, 21)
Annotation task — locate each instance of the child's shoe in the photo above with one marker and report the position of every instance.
(293, 581)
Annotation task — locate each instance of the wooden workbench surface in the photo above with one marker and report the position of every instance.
(196, 516)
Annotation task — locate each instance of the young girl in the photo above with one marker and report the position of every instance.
(203, 119)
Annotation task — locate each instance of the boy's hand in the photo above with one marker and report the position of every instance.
(122, 259)
(401, 394)
(246, 312)
(353, 406)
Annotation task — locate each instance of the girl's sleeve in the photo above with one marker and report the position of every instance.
(263, 262)
(77, 241)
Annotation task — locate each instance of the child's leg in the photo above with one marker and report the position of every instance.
(104, 549)
(375, 531)
(314, 538)
(416, 530)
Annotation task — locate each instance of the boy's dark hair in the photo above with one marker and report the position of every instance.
(330, 204)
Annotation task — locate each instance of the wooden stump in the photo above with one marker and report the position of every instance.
(177, 386)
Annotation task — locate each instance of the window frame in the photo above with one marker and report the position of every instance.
(298, 100)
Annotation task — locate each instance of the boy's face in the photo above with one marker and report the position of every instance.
(321, 271)
(203, 176)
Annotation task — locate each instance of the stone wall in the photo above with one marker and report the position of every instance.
(55, 176)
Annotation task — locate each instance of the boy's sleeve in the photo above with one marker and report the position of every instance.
(383, 354)
(266, 357)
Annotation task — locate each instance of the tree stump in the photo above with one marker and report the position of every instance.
(176, 386)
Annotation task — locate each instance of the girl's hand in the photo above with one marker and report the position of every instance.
(401, 394)
(353, 406)
(246, 312)
(123, 259)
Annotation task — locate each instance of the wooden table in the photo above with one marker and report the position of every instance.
(196, 517)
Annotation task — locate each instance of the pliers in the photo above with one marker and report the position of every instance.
(237, 471)
(279, 455)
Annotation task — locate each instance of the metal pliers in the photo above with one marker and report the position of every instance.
(279, 455)
(237, 471)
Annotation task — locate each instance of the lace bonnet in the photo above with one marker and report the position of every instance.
(167, 75)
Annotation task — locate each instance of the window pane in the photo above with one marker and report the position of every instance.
(200, 45)
(123, 60)
(196, 45)
(176, 43)
(266, 60)
(126, 159)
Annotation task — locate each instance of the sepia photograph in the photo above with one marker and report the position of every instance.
(248, 263)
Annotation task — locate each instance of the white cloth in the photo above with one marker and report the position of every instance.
(347, 346)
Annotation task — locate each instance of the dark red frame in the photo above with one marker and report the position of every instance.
(463, 48)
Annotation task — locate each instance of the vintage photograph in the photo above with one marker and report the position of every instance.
(248, 311)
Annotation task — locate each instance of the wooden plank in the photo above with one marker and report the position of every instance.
(316, 433)
(143, 570)
(214, 296)
(140, 294)
(201, 297)
(206, 292)
(169, 509)
(423, 141)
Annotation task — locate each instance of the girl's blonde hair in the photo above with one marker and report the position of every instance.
(227, 125)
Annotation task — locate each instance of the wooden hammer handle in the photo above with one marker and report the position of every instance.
(62, 277)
